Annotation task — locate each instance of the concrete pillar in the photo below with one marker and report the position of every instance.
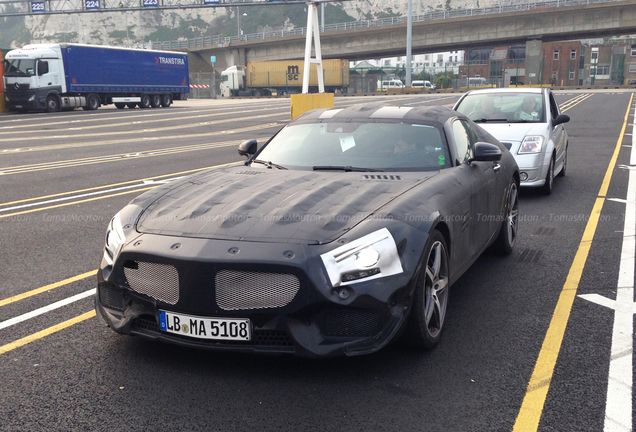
(534, 53)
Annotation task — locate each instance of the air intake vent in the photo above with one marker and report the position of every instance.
(250, 172)
(159, 281)
(381, 177)
(350, 323)
(237, 290)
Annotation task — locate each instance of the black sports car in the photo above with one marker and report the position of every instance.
(343, 231)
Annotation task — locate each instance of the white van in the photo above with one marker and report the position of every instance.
(422, 84)
(389, 84)
(478, 82)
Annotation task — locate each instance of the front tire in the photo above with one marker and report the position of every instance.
(52, 104)
(508, 235)
(428, 310)
(131, 105)
(549, 179)
(120, 105)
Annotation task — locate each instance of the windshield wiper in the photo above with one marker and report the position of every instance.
(345, 168)
(269, 164)
(524, 121)
(486, 120)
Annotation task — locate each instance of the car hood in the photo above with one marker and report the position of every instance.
(258, 204)
(514, 132)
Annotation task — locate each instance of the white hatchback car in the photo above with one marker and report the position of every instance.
(528, 122)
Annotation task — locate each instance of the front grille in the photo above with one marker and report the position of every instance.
(111, 297)
(350, 323)
(238, 290)
(159, 281)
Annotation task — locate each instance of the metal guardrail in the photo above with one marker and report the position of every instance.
(224, 40)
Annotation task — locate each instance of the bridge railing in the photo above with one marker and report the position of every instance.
(436, 15)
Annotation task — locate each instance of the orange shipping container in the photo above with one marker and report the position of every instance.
(289, 73)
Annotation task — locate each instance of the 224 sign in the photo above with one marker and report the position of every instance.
(92, 4)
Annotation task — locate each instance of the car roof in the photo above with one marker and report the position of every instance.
(379, 111)
(530, 90)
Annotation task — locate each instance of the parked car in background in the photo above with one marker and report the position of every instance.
(384, 85)
(423, 84)
(343, 231)
(528, 122)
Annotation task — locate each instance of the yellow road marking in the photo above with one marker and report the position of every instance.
(22, 150)
(145, 130)
(76, 202)
(46, 288)
(537, 391)
(39, 335)
(584, 99)
(106, 186)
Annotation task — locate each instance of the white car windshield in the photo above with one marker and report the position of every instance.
(512, 107)
(364, 146)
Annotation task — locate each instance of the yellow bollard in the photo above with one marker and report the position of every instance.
(301, 103)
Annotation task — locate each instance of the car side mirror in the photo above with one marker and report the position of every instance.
(247, 148)
(485, 152)
(561, 118)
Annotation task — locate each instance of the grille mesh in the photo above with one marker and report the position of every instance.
(236, 290)
(159, 281)
(111, 297)
(350, 323)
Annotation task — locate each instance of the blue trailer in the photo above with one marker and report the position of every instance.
(66, 76)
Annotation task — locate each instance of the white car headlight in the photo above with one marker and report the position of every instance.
(115, 239)
(372, 256)
(531, 144)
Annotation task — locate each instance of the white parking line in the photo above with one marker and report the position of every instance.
(45, 309)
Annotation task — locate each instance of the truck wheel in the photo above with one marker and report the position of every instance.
(52, 104)
(166, 100)
(131, 105)
(145, 101)
(92, 102)
(120, 105)
(155, 101)
(258, 93)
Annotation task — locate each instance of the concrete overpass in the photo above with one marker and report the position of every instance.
(549, 24)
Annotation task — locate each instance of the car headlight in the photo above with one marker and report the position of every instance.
(115, 239)
(531, 144)
(372, 256)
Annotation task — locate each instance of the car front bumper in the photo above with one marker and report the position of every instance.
(319, 321)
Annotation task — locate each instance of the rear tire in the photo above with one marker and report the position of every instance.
(120, 105)
(131, 105)
(92, 102)
(166, 100)
(145, 101)
(155, 101)
(430, 301)
(565, 163)
(52, 104)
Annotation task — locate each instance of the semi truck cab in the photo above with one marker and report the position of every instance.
(31, 76)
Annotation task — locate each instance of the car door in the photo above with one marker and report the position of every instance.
(556, 133)
(482, 177)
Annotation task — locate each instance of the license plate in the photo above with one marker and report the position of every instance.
(238, 329)
(18, 106)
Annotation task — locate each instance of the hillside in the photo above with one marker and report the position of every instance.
(134, 27)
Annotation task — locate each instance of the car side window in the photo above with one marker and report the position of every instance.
(464, 140)
(554, 108)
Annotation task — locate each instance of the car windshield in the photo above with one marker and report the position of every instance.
(512, 107)
(19, 67)
(359, 146)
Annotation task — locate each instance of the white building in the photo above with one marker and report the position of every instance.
(431, 63)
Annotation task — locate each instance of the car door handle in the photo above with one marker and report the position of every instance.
(496, 167)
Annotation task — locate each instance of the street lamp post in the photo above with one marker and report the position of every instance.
(238, 20)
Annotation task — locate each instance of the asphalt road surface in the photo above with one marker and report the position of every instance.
(521, 349)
